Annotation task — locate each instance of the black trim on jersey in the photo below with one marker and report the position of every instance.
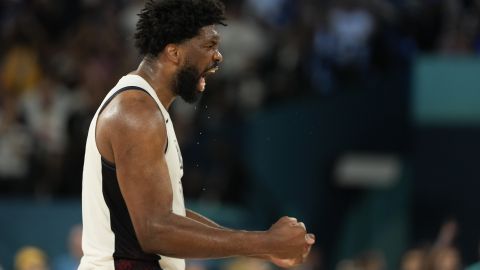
(118, 92)
(123, 89)
(107, 163)
(122, 264)
(128, 251)
(126, 243)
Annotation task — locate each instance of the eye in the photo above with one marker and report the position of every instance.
(212, 45)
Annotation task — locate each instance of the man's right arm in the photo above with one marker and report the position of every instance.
(136, 132)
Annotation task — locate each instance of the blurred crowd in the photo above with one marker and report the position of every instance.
(35, 258)
(59, 58)
(441, 254)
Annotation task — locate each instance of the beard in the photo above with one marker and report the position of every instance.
(186, 83)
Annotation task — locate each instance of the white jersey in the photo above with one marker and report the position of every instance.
(109, 240)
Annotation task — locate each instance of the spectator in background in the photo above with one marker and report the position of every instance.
(94, 79)
(46, 108)
(414, 259)
(31, 258)
(370, 260)
(445, 258)
(196, 265)
(269, 10)
(314, 261)
(476, 13)
(352, 25)
(346, 264)
(341, 45)
(246, 42)
(20, 68)
(460, 27)
(447, 234)
(128, 19)
(444, 255)
(15, 146)
(71, 260)
(323, 47)
(247, 264)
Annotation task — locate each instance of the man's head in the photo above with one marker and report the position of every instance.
(183, 31)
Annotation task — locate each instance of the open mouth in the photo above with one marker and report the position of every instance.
(202, 82)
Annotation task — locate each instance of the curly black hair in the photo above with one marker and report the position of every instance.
(173, 21)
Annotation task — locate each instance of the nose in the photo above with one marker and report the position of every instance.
(217, 57)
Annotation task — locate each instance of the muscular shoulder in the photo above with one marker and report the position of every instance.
(133, 110)
(132, 116)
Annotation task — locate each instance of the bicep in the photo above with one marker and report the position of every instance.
(142, 171)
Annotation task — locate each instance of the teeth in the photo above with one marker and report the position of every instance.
(213, 70)
(210, 71)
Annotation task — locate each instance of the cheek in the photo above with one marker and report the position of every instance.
(199, 61)
(205, 60)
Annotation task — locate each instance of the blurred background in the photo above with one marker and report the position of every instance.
(359, 117)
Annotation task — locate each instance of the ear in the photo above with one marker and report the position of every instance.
(173, 53)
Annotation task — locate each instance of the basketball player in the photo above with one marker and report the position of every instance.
(133, 210)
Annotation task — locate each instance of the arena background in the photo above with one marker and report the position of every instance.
(359, 117)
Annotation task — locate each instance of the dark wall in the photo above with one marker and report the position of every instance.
(447, 173)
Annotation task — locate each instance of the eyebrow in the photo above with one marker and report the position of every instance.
(214, 37)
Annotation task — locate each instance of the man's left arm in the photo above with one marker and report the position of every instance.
(197, 217)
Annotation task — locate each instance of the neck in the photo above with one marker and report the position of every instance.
(155, 73)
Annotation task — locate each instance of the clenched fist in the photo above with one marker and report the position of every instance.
(291, 242)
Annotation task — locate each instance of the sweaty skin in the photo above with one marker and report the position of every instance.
(131, 133)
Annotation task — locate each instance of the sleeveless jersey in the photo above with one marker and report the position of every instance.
(109, 241)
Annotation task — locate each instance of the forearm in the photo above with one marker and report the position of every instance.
(204, 220)
(183, 237)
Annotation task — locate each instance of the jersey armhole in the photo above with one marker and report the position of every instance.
(105, 161)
